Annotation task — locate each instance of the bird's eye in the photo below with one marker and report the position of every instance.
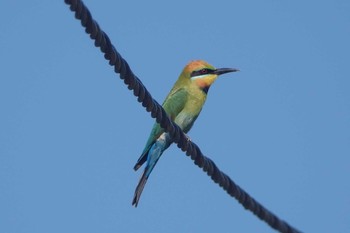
(200, 72)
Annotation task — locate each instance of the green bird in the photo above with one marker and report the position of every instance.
(183, 105)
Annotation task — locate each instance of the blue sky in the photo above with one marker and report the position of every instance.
(70, 131)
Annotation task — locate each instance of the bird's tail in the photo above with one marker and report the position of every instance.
(155, 153)
(153, 156)
(139, 189)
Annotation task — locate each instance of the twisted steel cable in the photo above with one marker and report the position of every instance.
(143, 96)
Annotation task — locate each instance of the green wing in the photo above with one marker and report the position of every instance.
(172, 105)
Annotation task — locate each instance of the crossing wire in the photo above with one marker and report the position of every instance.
(143, 96)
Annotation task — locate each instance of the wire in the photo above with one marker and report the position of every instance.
(143, 96)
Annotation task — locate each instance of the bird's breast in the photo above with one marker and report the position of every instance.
(191, 110)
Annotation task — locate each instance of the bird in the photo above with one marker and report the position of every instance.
(183, 104)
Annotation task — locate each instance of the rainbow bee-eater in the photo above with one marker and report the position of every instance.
(183, 105)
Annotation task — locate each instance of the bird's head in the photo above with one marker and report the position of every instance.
(203, 74)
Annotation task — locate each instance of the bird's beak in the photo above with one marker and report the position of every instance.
(225, 70)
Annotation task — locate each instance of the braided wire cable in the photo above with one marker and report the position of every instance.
(144, 97)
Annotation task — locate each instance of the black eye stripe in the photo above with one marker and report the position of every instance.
(201, 72)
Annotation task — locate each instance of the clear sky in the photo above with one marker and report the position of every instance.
(70, 131)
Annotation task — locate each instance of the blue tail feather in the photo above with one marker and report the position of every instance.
(156, 150)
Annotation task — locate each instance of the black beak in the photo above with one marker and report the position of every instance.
(224, 70)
